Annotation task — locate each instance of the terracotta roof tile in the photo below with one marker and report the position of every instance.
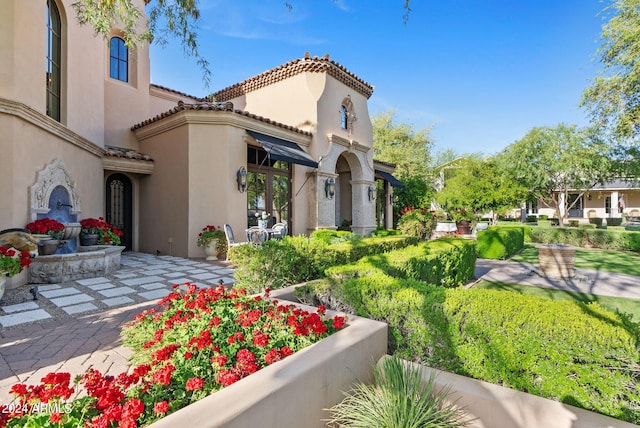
(292, 68)
(119, 152)
(164, 88)
(217, 106)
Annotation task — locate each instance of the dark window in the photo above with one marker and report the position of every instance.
(118, 59)
(268, 188)
(607, 204)
(54, 48)
(344, 123)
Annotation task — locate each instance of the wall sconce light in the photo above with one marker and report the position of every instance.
(330, 187)
(241, 179)
(372, 193)
(392, 198)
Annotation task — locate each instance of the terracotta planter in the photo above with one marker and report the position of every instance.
(48, 247)
(464, 227)
(87, 239)
(211, 249)
(557, 260)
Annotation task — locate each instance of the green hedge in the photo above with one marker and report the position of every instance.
(500, 242)
(291, 260)
(447, 261)
(588, 238)
(577, 353)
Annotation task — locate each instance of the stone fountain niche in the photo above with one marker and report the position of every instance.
(54, 195)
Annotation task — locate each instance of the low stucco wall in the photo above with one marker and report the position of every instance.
(495, 406)
(295, 391)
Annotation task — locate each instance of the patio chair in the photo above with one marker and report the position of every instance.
(231, 241)
(279, 230)
(257, 235)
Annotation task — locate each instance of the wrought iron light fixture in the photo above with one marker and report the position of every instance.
(372, 193)
(330, 187)
(392, 198)
(241, 179)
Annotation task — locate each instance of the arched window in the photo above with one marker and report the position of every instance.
(54, 57)
(347, 114)
(343, 117)
(118, 59)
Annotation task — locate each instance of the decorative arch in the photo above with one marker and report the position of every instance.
(48, 179)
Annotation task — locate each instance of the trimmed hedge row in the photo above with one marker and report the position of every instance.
(291, 260)
(588, 238)
(447, 261)
(577, 353)
(500, 242)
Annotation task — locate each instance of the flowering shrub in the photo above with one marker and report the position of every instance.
(416, 222)
(13, 261)
(47, 226)
(197, 342)
(109, 235)
(208, 234)
(460, 214)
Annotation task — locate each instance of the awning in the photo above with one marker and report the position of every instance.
(390, 178)
(283, 150)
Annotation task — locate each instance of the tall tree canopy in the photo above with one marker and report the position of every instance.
(400, 144)
(553, 162)
(613, 99)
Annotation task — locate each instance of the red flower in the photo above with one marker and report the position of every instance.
(338, 322)
(163, 376)
(161, 407)
(227, 377)
(260, 339)
(55, 417)
(194, 384)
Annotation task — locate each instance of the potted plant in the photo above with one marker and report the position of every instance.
(263, 219)
(463, 219)
(96, 231)
(51, 232)
(12, 262)
(213, 240)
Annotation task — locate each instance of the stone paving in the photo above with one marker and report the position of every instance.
(142, 278)
(76, 325)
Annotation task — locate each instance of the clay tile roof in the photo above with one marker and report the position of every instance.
(217, 106)
(119, 152)
(291, 68)
(164, 88)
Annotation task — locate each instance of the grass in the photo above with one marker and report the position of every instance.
(587, 258)
(620, 304)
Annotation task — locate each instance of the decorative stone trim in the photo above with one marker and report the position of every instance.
(127, 165)
(53, 175)
(350, 144)
(47, 124)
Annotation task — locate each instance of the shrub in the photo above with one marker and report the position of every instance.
(574, 223)
(532, 219)
(543, 217)
(399, 398)
(614, 221)
(588, 238)
(500, 242)
(597, 221)
(588, 225)
(417, 222)
(574, 352)
(291, 260)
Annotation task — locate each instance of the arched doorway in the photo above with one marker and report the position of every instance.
(119, 204)
(343, 197)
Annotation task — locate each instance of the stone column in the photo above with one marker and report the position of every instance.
(388, 209)
(325, 207)
(363, 209)
(615, 213)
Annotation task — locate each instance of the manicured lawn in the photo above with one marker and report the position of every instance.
(605, 260)
(621, 304)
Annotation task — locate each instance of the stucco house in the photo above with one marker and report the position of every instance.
(96, 138)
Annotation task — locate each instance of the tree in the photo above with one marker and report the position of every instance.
(613, 99)
(480, 185)
(167, 19)
(554, 162)
(400, 144)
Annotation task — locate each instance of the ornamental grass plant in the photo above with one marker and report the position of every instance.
(195, 343)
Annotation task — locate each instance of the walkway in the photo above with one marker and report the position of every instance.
(76, 325)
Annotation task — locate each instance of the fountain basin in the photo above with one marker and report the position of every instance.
(88, 262)
(557, 260)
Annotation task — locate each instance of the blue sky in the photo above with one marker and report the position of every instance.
(479, 73)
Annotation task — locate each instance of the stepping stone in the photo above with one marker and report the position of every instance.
(83, 307)
(205, 276)
(101, 286)
(143, 280)
(125, 275)
(173, 274)
(23, 317)
(153, 272)
(71, 300)
(119, 291)
(48, 287)
(20, 307)
(154, 286)
(58, 292)
(154, 294)
(177, 281)
(117, 301)
(196, 271)
(180, 268)
(92, 281)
